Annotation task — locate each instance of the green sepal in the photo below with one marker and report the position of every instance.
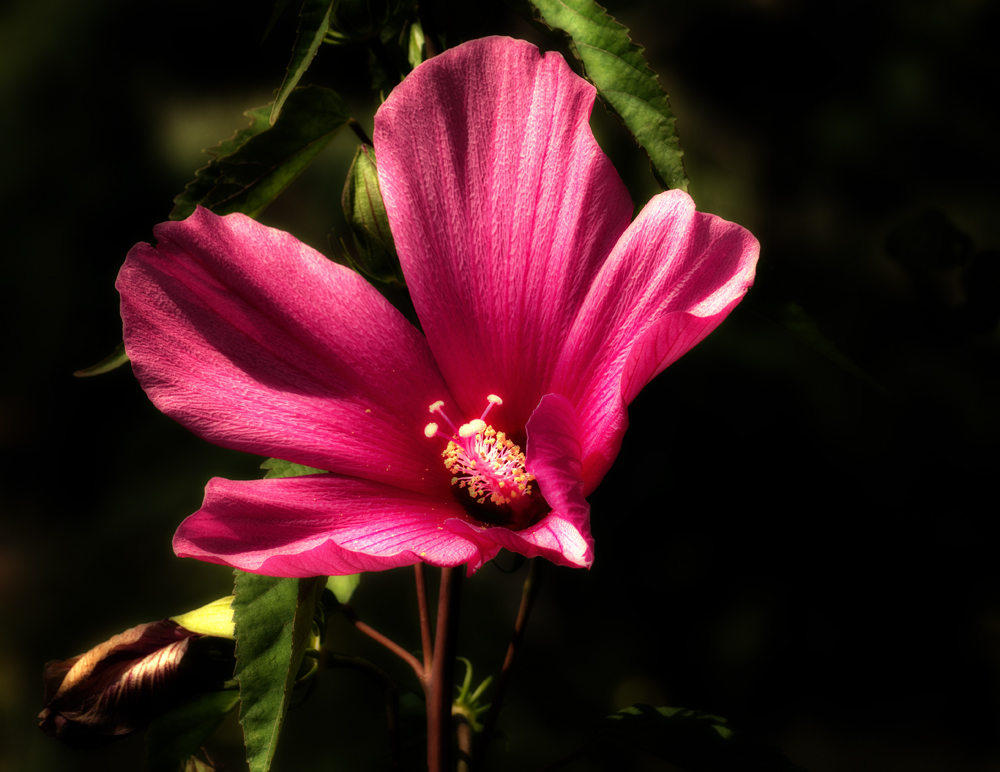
(277, 468)
(173, 738)
(114, 360)
(365, 211)
(624, 81)
(692, 740)
(466, 703)
(274, 620)
(314, 21)
(261, 162)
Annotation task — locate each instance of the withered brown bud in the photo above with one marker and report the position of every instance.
(122, 684)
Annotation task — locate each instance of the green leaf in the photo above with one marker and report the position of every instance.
(273, 620)
(251, 169)
(343, 587)
(626, 84)
(314, 21)
(207, 177)
(176, 736)
(114, 360)
(277, 468)
(695, 741)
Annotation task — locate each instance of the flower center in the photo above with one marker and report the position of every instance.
(483, 460)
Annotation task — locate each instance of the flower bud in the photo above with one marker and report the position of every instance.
(124, 683)
(215, 618)
(364, 210)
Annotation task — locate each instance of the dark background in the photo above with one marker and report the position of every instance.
(797, 545)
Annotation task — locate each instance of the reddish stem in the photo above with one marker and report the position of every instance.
(390, 644)
(439, 703)
(425, 617)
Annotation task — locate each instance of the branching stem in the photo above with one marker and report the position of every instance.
(390, 644)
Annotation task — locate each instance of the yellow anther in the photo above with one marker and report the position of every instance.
(482, 460)
(467, 430)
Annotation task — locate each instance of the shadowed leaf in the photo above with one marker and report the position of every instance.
(694, 741)
(206, 178)
(175, 737)
(252, 168)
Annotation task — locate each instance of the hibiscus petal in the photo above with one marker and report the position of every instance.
(255, 341)
(322, 525)
(503, 208)
(553, 453)
(672, 278)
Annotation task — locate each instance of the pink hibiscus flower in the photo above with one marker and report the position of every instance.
(544, 313)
